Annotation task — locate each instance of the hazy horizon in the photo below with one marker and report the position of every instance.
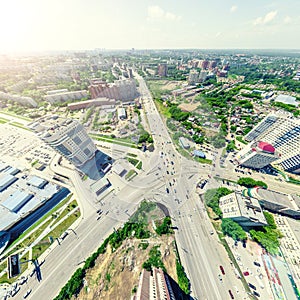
(74, 25)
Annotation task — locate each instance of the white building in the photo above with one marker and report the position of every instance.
(122, 113)
(257, 155)
(282, 131)
(244, 210)
(66, 136)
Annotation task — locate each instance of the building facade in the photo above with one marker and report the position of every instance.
(68, 137)
(162, 70)
(282, 131)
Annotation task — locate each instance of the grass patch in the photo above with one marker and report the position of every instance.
(240, 139)
(139, 165)
(133, 161)
(114, 141)
(131, 154)
(14, 115)
(70, 206)
(16, 124)
(162, 109)
(55, 233)
(203, 160)
(42, 219)
(130, 174)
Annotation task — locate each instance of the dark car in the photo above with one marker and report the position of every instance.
(167, 190)
(222, 270)
(230, 293)
(256, 294)
(252, 286)
(257, 263)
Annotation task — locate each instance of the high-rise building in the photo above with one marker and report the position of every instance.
(124, 90)
(193, 77)
(155, 285)
(162, 70)
(202, 76)
(282, 131)
(257, 155)
(69, 138)
(204, 64)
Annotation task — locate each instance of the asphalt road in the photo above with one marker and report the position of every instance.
(168, 178)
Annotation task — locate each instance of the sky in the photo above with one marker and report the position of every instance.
(43, 25)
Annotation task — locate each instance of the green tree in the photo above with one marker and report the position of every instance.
(233, 229)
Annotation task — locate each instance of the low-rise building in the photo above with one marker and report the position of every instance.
(184, 143)
(257, 155)
(244, 210)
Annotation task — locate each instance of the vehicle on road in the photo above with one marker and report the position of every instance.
(257, 263)
(220, 277)
(246, 273)
(222, 270)
(27, 294)
(252, 286)
(256, 294)
(230, 293)
(167, 190)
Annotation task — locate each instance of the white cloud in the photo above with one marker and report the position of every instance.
(218, 34)
(156, 12)
(287, 20)
(233, 8)
(266, 19)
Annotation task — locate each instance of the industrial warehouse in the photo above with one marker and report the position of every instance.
(23, 200)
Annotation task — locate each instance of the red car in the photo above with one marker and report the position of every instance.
(222, 270)
(246, 273)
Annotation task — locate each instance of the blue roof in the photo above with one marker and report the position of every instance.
(15, 201)
(199, 153)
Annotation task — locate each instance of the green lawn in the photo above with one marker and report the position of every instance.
(43, 245)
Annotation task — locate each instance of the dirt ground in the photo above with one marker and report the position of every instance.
(188, 106)
(116, 274)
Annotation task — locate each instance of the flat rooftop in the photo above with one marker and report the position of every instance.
(276, 197)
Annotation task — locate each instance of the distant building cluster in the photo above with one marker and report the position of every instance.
(282, 131)
(297, 76)
(92, 103)
(124, 90)
(64, 95)
(26, 101)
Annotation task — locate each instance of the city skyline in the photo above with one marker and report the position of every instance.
(79, 25)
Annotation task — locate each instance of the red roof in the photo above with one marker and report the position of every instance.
(266, 147)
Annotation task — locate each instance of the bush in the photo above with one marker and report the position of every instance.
(183, 280)
(250, 182)
(212, 198)
(165, 227)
